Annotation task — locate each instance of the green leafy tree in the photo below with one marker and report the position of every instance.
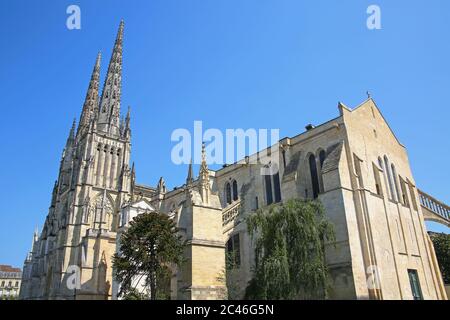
(290, 251)
(441, 243)
(148, 250)
(134, 294)
(228, 278)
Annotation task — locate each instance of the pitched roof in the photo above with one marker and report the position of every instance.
(8, 268)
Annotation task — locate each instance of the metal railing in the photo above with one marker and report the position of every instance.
(434, 205)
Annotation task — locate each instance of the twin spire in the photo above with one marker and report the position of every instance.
(109, 111)
(90, 106)
(104, 112)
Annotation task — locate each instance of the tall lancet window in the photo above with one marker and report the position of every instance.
(272, 184)
(235, 191)
(389, 178)
(228, 193)
(268, 184)
(314, 176)
(395, 181)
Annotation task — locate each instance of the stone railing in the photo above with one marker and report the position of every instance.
(434, 205)
(231, 212)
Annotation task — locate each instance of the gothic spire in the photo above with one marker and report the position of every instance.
(71, 136)
(190, 177)
(109, 111)
(90, 105)
(70, 140)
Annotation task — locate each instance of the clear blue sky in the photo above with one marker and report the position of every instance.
(232, 64)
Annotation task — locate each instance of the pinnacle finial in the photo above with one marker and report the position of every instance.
(204, 165)
(127, 119)
(72, 129)
(98, 59)
(369, 95)
(120, 32)
(190, 177)
(161, 185)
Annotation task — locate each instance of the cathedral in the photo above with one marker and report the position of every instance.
(354, 164)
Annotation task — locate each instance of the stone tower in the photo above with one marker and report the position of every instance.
(72, 257)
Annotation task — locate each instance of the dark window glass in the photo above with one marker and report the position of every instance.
(268, 182)
(321, 158)
(234, 251)
(235, 191)
(230, 245)
(228, 192)
(415, 284)
(314, 177)
(276, 185)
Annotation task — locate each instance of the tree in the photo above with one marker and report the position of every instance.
(148, 250)
(290, 251)
(441, 243)
(228, 278)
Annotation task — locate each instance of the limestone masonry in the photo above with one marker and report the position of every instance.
(353, 164)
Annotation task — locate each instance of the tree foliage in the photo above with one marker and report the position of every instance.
(148, 250)
(290, 251)
(228, 276)
(441, 243)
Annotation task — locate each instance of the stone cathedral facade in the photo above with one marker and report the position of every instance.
(353, 164)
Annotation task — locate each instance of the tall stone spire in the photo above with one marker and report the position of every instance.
(71, 137)
(190, 177)
(109, 111)
(90, 105)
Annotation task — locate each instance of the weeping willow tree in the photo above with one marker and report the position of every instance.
(290, 251)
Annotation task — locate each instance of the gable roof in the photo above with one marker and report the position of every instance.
(365, 103)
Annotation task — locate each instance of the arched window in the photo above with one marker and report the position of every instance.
(389, 178)
(376, 175)
(233, 252)
(322, 155)
(395, 181)
(268, 183)
(277, 187)
(272, 184)
(314, 177)
(228, 192)
(235, 191)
